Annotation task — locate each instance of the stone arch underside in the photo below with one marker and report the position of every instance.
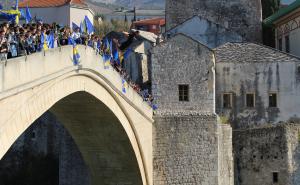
(82, 88)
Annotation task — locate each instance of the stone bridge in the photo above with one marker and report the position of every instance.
(89, 101)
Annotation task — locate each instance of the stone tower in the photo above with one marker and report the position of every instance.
(190, 146)
(241, 16)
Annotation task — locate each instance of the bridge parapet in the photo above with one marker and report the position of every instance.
(29, 86)
(19, 74)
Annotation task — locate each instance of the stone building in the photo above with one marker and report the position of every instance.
(137, 64)
(208, 66)
(190, 146)
(205, 31)
(241, 16)
(249, 86)
(267, 155)
(256, 85)
(287, 28)
(66, 11)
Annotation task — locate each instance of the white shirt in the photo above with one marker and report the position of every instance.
(76, 35)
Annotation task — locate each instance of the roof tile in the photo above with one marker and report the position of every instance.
(49, 3)
(251, 52)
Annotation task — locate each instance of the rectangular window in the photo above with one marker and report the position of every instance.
(183, 92)
(280, 44)
(287, 43)
(250, 100)
(227, 100)
(272, 100)
(275, 177)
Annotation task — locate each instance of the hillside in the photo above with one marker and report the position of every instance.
(147, 4)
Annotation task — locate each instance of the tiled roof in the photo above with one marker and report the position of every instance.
(154, 21)
(49, 3)
(251, 52)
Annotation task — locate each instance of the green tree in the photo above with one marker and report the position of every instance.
(105, 27)
(269, 7)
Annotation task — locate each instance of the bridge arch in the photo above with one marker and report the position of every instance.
(23, 105)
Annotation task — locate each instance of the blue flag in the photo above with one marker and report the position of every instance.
(76, 55)
(51, 40)
(74, 26)
(124, 86)
(44, 42)
(28, 15)
(70, 41)
(116, 57)
(106, 60)
(106, 43)
(89, 25)
(98, 44)
(127, 53)
(82, 28)
(17, 5)
(154, 107)
(111, 47)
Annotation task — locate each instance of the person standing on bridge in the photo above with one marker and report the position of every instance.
(76, 36)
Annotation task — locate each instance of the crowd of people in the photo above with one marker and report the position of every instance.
(21, 40)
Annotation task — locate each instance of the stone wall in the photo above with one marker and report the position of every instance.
(192, 149)
(190, 145)
(241, 16)
(226, 169)
(206, 32)
(183, 60)
(243, 68)
(262, 151)
(185, 150)
(45, 152)
(293, 139)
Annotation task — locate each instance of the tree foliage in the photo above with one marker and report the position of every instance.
(106, 26)
(269, 7)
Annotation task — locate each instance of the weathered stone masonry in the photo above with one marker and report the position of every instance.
(241, 16)
(185, 150)
(190, 145)
(261, 152)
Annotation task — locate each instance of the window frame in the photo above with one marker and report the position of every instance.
(272, 93)
(275, 180)
(287, 42)
(185, 97)
(280, 44)
(254, 100)
(231, 100)
(33, 135)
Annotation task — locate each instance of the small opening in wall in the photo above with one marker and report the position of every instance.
(227, 100)
(33, 135)
(275, 177)
(287, 43)
(183, 92)
(272, 100)
(250, 100)
(280, 44)
(254, 156)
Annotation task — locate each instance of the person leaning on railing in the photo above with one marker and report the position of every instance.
(3, 46)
